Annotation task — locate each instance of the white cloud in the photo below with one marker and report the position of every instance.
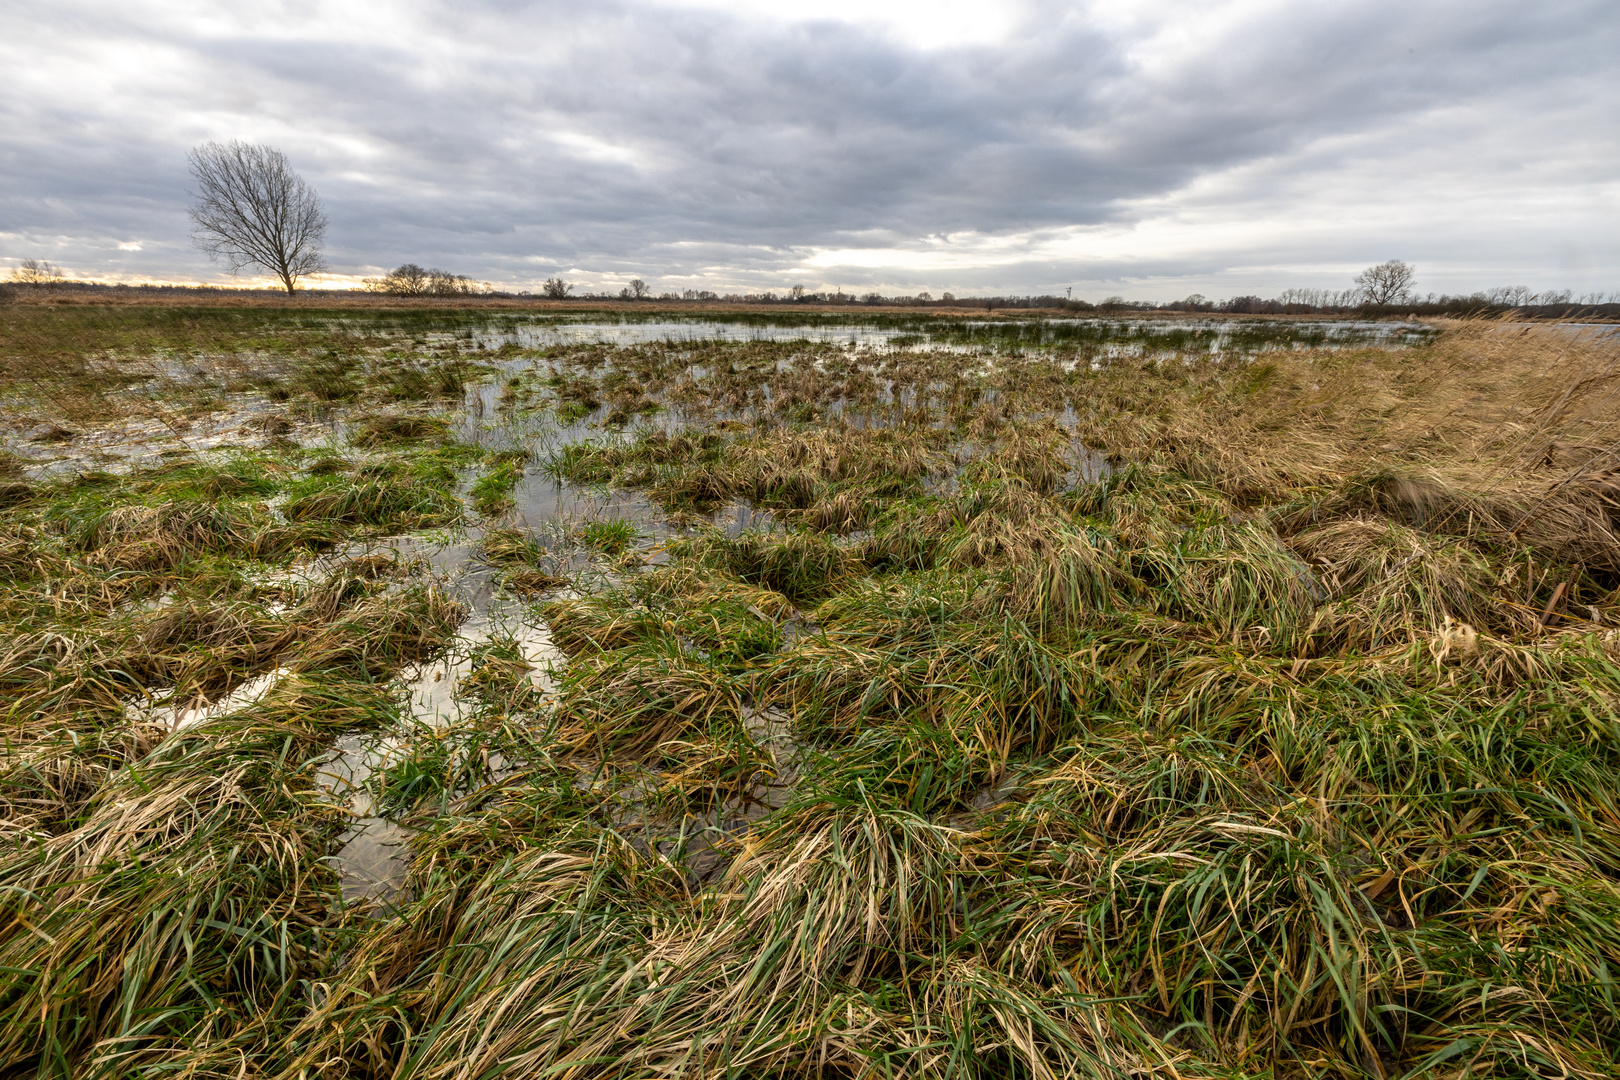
(1146, 148)
(923, 24)
(590, 148)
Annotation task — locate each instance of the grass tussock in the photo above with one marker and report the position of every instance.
(396, 502)
(387, 429)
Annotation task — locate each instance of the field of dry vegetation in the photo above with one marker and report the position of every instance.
(850, 712)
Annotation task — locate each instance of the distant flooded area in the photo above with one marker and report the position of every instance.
(1114, 335)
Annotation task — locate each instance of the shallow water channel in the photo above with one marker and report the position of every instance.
(372, 861)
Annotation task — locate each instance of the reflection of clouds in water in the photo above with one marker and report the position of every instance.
(1215, 334)
(431, 694)
(372, 860)
(184, 715)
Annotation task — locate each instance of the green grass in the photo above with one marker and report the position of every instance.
(1246, 757)
(612, 537)
(491, 494)
(382, 501)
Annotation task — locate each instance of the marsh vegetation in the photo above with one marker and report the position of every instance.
(1022, 708)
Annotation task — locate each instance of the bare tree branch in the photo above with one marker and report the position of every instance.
(253, 210)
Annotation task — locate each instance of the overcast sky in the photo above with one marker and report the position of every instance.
(1149, 148)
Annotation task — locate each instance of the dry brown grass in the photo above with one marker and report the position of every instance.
(1500, 429)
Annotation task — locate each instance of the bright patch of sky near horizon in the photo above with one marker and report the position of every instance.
(1150, 149)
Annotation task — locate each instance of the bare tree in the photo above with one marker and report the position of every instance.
(406, 280)
(557, 289)
(412, 280)
(253, 210)
(638, 289)
(444, 283)
(1386, 283)
(36, 272)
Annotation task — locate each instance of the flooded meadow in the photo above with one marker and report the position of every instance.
(437, 693)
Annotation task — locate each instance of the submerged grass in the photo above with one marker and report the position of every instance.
(1064, 716)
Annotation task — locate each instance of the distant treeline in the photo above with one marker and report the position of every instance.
(1290, 302)
(436, 283)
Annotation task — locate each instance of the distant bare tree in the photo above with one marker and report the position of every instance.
(36, 272)
(638, 289)
(444, 283)
(557, 289)
(1386, 283)
(253, 210)
(797, 292)
(406, 280)
(1511, 296)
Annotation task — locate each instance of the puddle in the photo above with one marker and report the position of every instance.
(1127, 336)
(178, 717)
(772, 731)
(542, 503)
(372, 859)
(741, 516)
(1086, 467)
(698, 842)
(432, 692)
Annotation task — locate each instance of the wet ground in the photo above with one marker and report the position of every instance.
(372, 860)
(1113, 336)
(1048, 698)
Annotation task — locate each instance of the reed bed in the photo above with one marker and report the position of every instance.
(1061, 714)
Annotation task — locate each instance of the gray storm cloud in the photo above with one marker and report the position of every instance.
(1222, 144)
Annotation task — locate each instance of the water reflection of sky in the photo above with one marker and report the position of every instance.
(695, 330)
(1108, 335)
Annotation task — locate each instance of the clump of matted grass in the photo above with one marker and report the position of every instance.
(492, 492)
(799, 565)
(526, 567)
(186, 900)
(787, 964)
(822, 472)
(396, 502)
(168, 884)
